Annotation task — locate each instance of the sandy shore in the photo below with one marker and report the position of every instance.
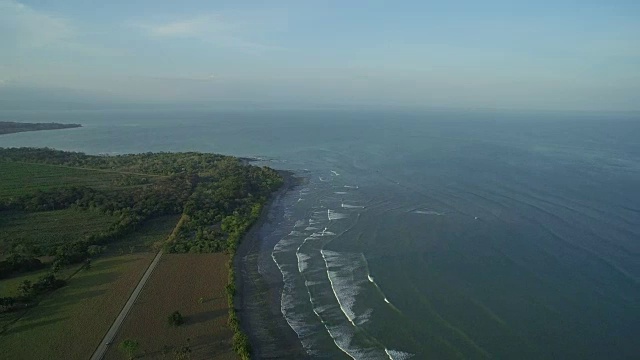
(258, 293)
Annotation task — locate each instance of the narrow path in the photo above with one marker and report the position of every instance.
(113, 330)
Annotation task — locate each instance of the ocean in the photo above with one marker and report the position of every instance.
(427, 235)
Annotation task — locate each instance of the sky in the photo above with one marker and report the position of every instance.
(539, 55)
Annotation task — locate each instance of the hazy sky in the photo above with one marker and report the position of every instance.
(491, 54)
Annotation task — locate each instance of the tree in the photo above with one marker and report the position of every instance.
(175, 319)
(130, 347)
(57, 266)
(25, 288)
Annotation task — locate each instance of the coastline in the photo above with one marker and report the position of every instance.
(258, 293)
(12, 127)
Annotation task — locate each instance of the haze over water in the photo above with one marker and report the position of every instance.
(433, 234)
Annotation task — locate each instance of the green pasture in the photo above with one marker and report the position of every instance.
(18, 178)
(50, 228)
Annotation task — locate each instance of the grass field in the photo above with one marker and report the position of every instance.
(9, 286)
(150, 236)
(50, 227)
(22, 178)
(178, 283)
(70, 322)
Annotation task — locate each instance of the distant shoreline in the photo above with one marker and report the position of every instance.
(258, 292)
(11, 127)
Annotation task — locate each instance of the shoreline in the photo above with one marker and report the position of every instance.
(12, 127)
(258, 294)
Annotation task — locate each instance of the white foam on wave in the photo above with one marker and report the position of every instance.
(384, 297)
(333, 215)
(398, 355)
(351, 186)
(321, 179)
(347, 206)
(341, 268)
(310, 228)
(295, 233)
(299, 223)
(302, 261)
(428, 212)
(323, 233)
(341, 192)
(296, 319)
(335, 173)
(283, 244)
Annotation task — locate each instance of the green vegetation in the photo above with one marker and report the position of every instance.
(19, 178)
(28, 292)
(150, 235)
(241, 343)
(8, 127)
(218, 196)
(57, 327)
(40, 233)
(74, 207)
(175, 319)
(129, 347)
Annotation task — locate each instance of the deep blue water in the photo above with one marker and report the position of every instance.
(436, 234)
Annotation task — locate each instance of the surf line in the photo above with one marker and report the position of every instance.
(346, 206)
(400, 355)
(391, 354)
(334, 290)
(384, 297)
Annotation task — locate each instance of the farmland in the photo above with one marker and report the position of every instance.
(18, 178)
(70, 322)
(194, 285)
(49, 228)
(57, 327)
(78, 231)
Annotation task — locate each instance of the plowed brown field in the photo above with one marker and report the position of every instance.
(178, 283)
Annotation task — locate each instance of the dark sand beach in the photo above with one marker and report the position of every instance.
(259, 284)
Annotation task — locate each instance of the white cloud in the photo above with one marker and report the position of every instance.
(199, 26)
(30, 28)
(214, 29)
(23, 28)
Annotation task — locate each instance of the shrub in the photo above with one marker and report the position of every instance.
(175, 319)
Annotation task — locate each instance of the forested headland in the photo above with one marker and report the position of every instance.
(218, 197)
(8, 127)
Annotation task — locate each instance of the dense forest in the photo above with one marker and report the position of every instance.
(218, 196)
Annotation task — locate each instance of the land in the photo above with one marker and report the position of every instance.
(48, 229)
(69, 323)
(200, 299)
(8, 127)
(78, 231)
